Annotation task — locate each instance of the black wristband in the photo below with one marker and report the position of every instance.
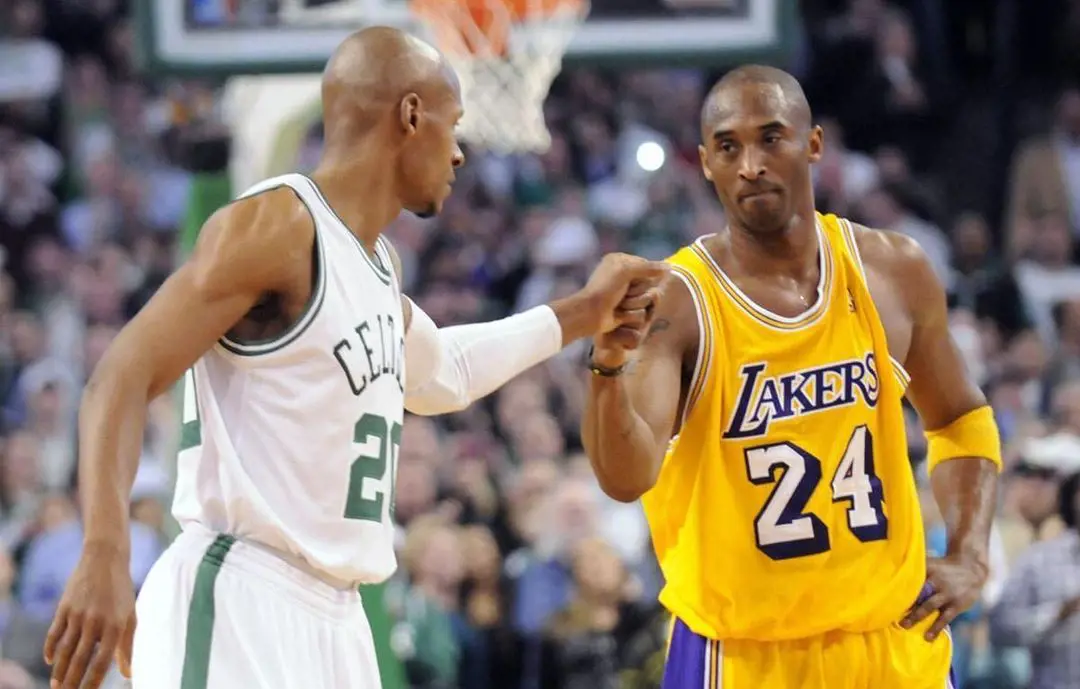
(603, 371)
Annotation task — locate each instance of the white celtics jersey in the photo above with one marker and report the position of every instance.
(293, 442)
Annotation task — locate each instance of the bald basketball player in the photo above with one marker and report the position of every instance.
(299, 356)
(761, 423)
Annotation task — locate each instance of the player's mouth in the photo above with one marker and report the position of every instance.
(758, 194)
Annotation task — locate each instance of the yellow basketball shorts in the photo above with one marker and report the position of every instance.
(891, 658)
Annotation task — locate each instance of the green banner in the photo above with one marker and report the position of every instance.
(390, 669)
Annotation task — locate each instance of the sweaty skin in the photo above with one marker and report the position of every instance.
(758, 147)
(390, 105)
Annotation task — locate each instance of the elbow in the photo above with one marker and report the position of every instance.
(430, 401)
(623, 484)
(623, 493)
(425, 410)
(622, 478)
(121, 377)
(104, 380)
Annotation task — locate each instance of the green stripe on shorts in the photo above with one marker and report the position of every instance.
(200, 624)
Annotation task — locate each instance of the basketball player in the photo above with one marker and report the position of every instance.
(761, 425)
(301, 356)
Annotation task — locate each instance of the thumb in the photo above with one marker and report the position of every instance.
(124, 648)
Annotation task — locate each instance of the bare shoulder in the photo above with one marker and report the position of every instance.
(888, 250)
(253, 241)
(902, 263)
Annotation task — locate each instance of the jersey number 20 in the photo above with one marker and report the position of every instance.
(375, 467)
(783, 529)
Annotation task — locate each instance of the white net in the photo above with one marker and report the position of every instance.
(504, 86)
(506, 53)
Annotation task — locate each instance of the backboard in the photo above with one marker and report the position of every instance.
(226, 37)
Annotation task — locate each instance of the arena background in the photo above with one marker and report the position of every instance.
(123, 125)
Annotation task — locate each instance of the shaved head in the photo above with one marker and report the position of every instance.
(774, 84)
(375, 68)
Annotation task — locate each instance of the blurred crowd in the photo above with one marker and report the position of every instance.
(956, 123)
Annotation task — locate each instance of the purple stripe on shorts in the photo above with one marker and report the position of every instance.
(685, 667)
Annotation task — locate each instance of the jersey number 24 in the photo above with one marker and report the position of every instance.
(783, 528)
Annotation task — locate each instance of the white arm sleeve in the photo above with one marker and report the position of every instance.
(447, 369)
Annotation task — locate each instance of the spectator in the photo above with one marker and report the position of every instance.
(884, 209)
(493, 656)
(980, 281)
(1046, 274)
(1040, 605)
(544, 583)
(583, 642)
(1033, 484)
(1045, 178)
(428, 638)
(494, 502)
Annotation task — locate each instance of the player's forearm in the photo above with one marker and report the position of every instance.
(112, 419)
(965, 490)
(447, 369)
(619, 443)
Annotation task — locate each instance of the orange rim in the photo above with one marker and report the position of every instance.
(482, 27)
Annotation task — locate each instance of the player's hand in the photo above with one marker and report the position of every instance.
(94, 622)
(955, 584)
(622, 292)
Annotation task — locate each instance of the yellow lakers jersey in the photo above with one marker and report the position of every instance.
(786, 505)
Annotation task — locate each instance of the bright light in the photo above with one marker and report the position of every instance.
(650, 156)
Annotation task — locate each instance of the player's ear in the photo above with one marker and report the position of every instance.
(704, 156)
(817, 143)
(410, 113)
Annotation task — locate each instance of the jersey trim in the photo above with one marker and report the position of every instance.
(703, 365)
(764, 316)
(848, 232)
(382, 252)
(381, 271)
(200, 623)
(311, 309)
(902, 376)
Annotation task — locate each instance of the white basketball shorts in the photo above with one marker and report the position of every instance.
(216, 613)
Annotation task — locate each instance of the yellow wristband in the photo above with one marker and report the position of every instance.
(974, 434)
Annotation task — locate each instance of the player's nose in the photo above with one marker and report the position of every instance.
(751, 164)
(458, 157)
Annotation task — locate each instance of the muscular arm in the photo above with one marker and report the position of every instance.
(630, 418)
(447, 369)
(241, 253)
(942, 391)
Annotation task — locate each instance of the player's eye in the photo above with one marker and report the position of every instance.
(726, 146)
(772, 138)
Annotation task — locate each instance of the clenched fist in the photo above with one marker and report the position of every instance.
(618, 298)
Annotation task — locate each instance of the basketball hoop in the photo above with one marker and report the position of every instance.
(506, 53)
